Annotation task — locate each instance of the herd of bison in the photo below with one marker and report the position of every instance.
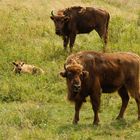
(90, 73)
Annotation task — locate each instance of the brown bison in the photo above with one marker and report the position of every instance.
(90, 73)
(21, 67)
(79, 20)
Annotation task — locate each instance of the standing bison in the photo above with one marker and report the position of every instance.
(78, 20)
(90, 73)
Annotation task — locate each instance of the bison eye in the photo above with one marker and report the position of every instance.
(81, 75)
(69, 75)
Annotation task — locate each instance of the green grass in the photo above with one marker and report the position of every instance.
(35, 107)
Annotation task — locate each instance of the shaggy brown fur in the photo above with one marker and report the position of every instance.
(78, 20)
(90, 73)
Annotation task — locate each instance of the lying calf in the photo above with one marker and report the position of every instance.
(89, 73)
(21, 67)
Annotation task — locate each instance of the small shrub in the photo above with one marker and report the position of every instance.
(138, 20)
(116, 28)
(38, 117)
(10, 93)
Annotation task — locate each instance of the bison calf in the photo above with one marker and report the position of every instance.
(21, 67)
(79, 20)
(90, 73)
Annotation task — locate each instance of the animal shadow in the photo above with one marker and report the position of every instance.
(78, 127)
(115, 124)
(122, 123)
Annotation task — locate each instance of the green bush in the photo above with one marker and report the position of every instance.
(38, 117)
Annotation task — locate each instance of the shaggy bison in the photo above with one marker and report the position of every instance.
(21, 67)
(90, 73)
(78, 20)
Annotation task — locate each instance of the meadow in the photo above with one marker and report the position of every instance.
(36, 107)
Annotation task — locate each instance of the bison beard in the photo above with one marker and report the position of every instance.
(92, 73)
(78, 20)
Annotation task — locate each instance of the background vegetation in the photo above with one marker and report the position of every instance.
(35, 107)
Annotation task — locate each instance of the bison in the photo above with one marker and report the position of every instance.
(21, 67)
(90, 73)
(78, 20)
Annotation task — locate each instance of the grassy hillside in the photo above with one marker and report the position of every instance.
(35, 107)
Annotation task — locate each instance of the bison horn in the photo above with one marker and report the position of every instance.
(65, 66)
(52, 13)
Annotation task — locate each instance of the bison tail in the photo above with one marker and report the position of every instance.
(108, 18)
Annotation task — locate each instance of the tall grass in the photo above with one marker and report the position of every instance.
(35, 107)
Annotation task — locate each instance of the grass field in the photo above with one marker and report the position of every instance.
(35, 107)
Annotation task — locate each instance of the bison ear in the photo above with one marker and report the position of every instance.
(85, 74)
(66, 18)
(14, 63)
(63, 74)
(52, 17)
(22, 63)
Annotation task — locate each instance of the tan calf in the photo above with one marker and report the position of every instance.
(21, 67)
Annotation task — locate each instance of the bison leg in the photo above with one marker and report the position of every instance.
(72, 40)
(136, 94)
(65, 41)
(105, 40)
(138, 104)
(134, 89)
(125, 98)
(95, 101)
(102, 32)
(78, 105)
(137, 99)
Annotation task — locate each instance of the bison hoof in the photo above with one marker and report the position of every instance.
(65, 49)
(70, 50)
(96, 123)
(119, 118)
(75, 122)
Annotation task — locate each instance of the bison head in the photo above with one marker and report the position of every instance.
(18, 66)
(59, 21)
(75, 75)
